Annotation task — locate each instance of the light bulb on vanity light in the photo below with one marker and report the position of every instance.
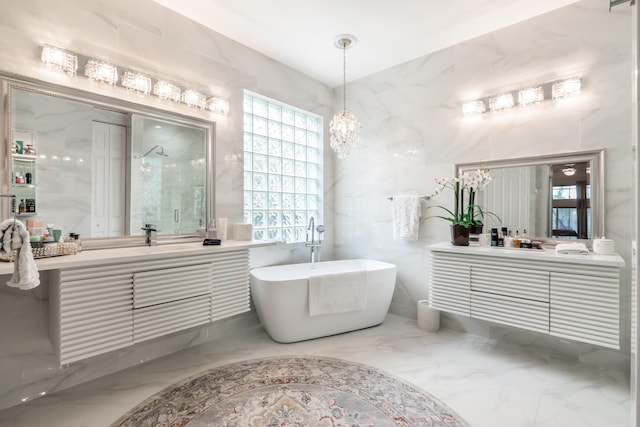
(58, 59)
(167, 90)
(218, 105)
(530, 96)
(194, 99)
(101, 71)
(136, 82)
(473, 108)
(566, 88)
(501, 102)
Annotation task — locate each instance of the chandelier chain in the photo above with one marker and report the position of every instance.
(344, 75)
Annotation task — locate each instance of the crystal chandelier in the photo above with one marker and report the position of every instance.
(344, 127)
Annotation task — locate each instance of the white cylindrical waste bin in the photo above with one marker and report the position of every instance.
(428, 318)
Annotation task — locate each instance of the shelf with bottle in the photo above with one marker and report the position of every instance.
(24, 173)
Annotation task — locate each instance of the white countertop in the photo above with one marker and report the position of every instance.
(614, 260)
(133, 254)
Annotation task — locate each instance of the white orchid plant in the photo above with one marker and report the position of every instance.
(471, 183)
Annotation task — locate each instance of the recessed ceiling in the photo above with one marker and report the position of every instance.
(301, 33)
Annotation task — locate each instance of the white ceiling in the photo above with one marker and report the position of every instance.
(301, 33)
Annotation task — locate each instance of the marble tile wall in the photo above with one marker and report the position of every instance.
(144, 36)
(412, 127)
(413, 132)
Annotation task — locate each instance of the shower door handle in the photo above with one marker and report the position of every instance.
(176, 215)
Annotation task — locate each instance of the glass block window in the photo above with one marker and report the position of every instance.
(282, 168)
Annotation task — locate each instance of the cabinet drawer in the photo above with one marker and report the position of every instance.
(170, 284)
(521, 313)
(163, 319)
(509, 281)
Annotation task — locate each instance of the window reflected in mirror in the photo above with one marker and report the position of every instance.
(549, 197)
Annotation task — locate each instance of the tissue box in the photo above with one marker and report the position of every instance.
(243, 232)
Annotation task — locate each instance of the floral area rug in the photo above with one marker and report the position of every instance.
(292, 391)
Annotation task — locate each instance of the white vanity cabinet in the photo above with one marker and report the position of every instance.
(97, 309)
(568, 296)
(90, 311)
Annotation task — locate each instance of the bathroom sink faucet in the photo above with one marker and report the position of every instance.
(315, 246)
(151, 234)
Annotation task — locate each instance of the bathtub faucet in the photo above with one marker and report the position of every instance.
(315, 246)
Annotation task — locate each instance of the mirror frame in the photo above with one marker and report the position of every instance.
(595, 159)
(10, 82)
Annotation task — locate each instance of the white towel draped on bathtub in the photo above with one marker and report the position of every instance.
(337, 292)
(406, 217)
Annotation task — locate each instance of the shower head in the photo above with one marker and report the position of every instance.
(160, 152)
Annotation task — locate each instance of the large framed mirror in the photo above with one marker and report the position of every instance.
(103, 168)
(552, 197)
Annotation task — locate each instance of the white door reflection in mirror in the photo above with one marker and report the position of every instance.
(108, 183)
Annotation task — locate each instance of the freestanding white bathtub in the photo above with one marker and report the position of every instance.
(281, 297)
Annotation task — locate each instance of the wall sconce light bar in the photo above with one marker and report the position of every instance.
(526, 96)
(218, 105)
(501, 102)
(194, 99)
(530, 96)
(136, 82)
(101, 71)
(472, 108)
(167, 90)
(104, 72)
(566, 88)
(60, 60)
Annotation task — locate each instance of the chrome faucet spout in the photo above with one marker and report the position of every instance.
(310, 227)
(151, 234)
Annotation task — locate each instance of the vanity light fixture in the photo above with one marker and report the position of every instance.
(95, 69)
(566, 88)
(530, 96)
(526, 96)
(137, 82)
(472, 108)
(101, 71)
(194, 99)
(59, 59)
(167, 90)
(218, 105)
(344, 127)
(501, 102)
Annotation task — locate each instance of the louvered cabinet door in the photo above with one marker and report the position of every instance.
(93, 310)
(169, 300)
(585, 308)
(230, 294)
(450, 284)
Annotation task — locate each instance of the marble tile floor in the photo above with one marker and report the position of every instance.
(489, 383)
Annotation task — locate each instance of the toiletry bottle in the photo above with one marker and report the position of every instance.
(516, 240)
(494, 237)
(500, 239)
(22, 208)
(508, 240)
(28, 177)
